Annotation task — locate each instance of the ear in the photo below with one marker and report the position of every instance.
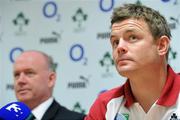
(163, 45)
(52, 79)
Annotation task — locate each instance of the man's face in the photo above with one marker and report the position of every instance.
(134, 48)
(32, 78)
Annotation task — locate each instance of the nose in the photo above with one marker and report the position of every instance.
(122, 47)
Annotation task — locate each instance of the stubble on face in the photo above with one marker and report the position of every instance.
(140, 49)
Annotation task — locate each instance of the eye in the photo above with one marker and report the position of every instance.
(16, 75)
(30, 73)
(132, 38)
(114, 42)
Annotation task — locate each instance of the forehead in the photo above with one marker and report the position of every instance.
(30, 60)
(130, 24)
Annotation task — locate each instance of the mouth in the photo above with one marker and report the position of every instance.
(22, 91)
(123, 61)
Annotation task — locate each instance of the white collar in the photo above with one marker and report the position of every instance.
(39, 111)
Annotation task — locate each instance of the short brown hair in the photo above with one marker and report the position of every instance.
(157, 24)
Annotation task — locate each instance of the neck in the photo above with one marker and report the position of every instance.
(34, 103)
(147, 86)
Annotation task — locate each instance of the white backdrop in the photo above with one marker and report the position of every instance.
(75, 33)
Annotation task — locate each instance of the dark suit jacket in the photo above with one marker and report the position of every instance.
(58, 112)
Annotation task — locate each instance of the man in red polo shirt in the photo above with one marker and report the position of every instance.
(140, 39)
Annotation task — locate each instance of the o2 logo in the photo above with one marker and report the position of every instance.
(76, 53)
(15, 52)
(50, 10)
(175, 1)
(106, 9)
(165, 0)
(102, 91)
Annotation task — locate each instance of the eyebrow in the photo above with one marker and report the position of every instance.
(112, 34)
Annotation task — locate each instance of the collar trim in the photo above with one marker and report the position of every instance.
(169, 93)
(171, 89)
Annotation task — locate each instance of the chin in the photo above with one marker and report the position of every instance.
(24, 98)
(124, 71)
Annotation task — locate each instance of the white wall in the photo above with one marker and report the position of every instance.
(78, 81)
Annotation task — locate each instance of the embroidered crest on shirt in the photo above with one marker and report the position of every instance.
(174, 117)
(121, 116)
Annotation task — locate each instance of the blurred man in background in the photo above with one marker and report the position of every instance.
(34, 80)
